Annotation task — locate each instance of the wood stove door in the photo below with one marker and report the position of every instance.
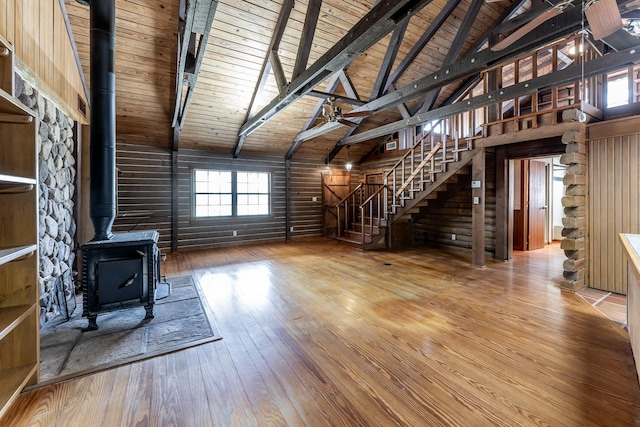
(120, 280)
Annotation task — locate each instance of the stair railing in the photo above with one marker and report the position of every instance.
(373, 213)
(403, 174)
(348, 209)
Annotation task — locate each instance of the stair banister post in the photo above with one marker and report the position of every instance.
(386, 195)
(362, 226)
(338, 214)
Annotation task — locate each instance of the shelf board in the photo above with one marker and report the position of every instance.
(16, 184)
(10, 317)
(10, 254)
(13, 381)
(10, 105)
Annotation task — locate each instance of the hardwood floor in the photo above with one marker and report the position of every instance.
(317, 333)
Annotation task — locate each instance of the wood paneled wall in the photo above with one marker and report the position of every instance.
(614, 204)
(452, 215)
(38, 32)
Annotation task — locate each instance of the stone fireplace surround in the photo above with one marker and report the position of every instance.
(57, 173)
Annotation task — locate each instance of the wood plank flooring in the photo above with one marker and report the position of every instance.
(317, 333)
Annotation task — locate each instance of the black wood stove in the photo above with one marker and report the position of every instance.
(120, 270)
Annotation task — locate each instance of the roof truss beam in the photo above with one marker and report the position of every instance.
(470, 65)
(454, 50)
(198, 17)
(306, 38)
(567, 75)
(422, 42)
(339, 77)
(435, 25)
(276, 38)
(369, 30)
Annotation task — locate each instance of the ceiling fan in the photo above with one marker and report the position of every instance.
(332, 113)
(603, 17)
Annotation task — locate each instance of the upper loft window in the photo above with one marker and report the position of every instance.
(617, 91)
(229, 193)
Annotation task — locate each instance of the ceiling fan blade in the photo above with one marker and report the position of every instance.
(347, 122)
(357, 114)
(526, 28)
(604, 18)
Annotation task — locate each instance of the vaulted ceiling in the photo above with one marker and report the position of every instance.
(238, 45)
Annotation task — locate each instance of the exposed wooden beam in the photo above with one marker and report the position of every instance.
(389, 58)
(306, 38)
(342, 77)
(368, 31)
(199, 18)
(454, 50)
(174, 190)
(422, 42)
(317, 109)
(414, 52)
(381, 80)
(276, 38)
(339, 98)
(278, 72)
(347, 84)
(504, 215)
(611, 61)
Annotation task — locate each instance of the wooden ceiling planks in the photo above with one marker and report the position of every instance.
(146, 57)
(145, 66)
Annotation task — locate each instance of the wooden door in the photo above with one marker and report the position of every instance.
(520, 200)
(537, 205)
(335, 187)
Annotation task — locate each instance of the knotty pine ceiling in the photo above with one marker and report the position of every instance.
(146, 49)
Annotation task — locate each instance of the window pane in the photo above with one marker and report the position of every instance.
(202, 211)
(201, 187)
(617, 92)
(213, 189)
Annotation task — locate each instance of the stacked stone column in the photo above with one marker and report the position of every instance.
(57, 172)
(574, 233)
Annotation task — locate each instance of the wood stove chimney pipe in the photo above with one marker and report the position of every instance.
(102, 162)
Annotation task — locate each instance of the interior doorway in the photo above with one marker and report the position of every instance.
(536, 201)
(335, 187)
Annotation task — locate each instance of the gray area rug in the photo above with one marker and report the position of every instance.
(180, 321)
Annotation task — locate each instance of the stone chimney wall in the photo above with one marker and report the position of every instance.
(57, 172)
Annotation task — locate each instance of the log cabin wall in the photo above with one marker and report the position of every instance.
(306, 184)
(38, 32)
(145, 197)
(144, 190)
(198, 233)
(451, 214)
(614, 199)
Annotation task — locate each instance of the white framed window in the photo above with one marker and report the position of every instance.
(252, 193)
(218, 193)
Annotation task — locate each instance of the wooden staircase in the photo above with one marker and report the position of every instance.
(427, 169)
